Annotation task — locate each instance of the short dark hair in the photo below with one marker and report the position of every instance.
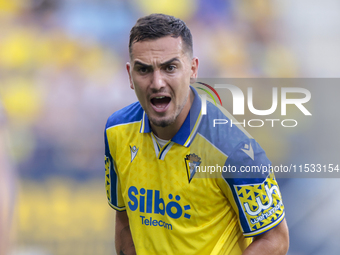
(155, 26)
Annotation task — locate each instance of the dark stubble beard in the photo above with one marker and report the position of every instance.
(172, 119)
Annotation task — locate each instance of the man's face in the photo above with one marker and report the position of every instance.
(160, 72)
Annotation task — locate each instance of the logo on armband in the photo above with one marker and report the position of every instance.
(262, 203)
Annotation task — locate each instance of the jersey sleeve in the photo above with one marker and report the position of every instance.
(253, 190)
(112, 183)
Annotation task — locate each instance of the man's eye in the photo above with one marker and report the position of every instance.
(142, 70)
(170, 68)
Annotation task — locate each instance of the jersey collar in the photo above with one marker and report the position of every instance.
(187, 132)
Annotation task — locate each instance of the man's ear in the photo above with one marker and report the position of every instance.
(128, 69)
(194, 70)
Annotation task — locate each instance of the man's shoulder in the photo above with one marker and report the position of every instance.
(222, 130)
(129, 114)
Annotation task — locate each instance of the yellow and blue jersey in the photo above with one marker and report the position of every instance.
(174, 206)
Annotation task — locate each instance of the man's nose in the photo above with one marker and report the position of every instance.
(158, 81)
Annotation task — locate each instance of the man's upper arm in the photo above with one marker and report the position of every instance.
(273, 242)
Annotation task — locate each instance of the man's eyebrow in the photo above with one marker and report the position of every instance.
(162, 64)
(142, 64)
(170, 61)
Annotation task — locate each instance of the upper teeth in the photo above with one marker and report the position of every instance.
(160, 97)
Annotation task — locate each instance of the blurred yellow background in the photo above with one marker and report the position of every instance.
(62, 73)
(65, 217)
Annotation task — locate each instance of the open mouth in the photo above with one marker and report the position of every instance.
(160, 102)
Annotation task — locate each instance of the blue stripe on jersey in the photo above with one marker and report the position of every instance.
(145, 124)
(114, 184)
(113, 174)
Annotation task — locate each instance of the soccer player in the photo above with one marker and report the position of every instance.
(154, 148)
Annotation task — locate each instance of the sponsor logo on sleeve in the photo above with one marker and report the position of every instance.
(261, 203)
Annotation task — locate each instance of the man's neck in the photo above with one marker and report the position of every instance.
(170, 131)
